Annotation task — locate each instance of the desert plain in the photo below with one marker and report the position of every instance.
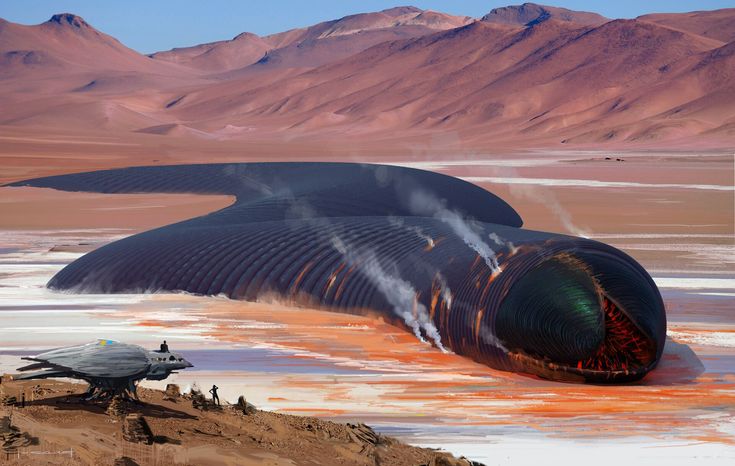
(659, 186)
(672, 211)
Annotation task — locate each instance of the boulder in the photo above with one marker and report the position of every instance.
(198, 400)
(118, 407)
(11, 438)
(137, 430)
(361, 433)
(124, 461)
(445, 459)
(39, 392)
(244, 406)
(172, 391)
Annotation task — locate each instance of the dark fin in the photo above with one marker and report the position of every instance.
(35, 366)
(42, 375)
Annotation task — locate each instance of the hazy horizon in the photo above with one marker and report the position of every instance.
(164, 25)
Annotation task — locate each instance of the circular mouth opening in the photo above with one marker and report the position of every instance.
(625, 348)
(574, 317)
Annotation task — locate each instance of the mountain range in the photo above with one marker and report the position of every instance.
(525, 75)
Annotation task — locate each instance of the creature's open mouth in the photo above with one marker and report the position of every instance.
(581, 317)
(626, 353)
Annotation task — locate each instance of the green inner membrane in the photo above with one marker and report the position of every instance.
(553, 312)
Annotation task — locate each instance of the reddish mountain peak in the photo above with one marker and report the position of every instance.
(532, 13)
(715, 24)
(643, 44)
(630, 32)
(69, 19)
(437, 20)
(392, 18)
(246, 35)
(66, 44)
(401, 10)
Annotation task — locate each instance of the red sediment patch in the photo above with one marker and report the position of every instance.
(423, 381)
(153, 323)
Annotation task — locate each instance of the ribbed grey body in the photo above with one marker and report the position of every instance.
(396, 241)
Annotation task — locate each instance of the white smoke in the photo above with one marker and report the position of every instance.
(489, 338)
(301, 209)
(399, 293)
(562, 214)
(446, 293)
(412, 228)
(240, 173)
(544, 196)
(495, 238)
(424, 203)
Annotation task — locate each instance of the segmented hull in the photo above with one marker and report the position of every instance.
(358, 238)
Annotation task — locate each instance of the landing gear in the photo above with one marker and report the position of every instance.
(126, 390)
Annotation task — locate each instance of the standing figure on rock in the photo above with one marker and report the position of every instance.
(213, 391)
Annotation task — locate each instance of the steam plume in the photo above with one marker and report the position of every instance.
(425, 204)
(413, 228)
(446, 293)
(399, 293)
(495, 238)
(545, 197)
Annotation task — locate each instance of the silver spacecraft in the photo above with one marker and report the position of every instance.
(110, 367)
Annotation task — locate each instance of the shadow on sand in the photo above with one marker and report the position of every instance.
(74, 402)
(679, 365)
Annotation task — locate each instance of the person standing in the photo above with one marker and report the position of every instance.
(213, 391)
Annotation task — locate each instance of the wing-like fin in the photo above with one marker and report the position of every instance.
(42, 375)
(35, 366)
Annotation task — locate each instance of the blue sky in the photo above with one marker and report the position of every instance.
(148, 26)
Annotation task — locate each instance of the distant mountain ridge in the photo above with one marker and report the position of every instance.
(529, 14)
(314, 45)
(525, 74)
(67, 40)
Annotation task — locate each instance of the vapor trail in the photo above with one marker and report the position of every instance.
(425, 204)
(399, 293)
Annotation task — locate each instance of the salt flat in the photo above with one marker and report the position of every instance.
(350, 367)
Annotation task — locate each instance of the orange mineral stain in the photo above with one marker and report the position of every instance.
(400, 377)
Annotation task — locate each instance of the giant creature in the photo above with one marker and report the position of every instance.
(435, 254)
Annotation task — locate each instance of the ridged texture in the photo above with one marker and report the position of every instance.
(554, 311)
(349, 238)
